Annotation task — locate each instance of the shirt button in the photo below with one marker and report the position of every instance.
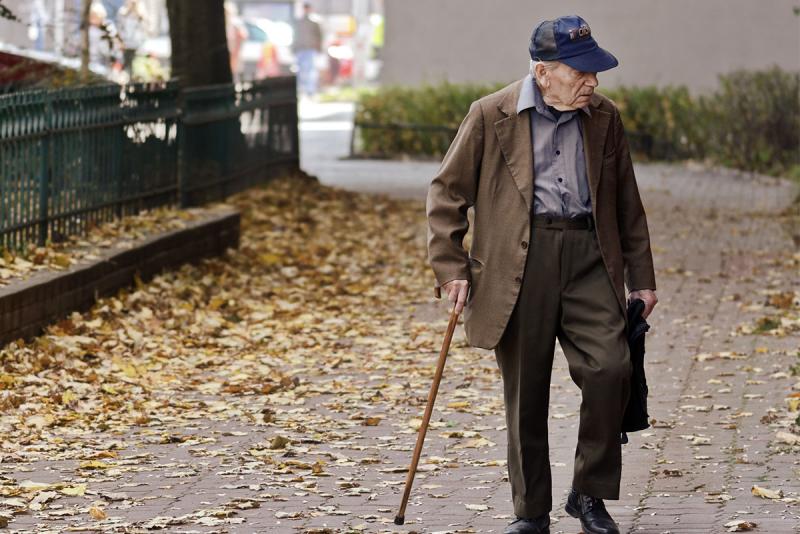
(524, 244)
(560, 179)
(558, 152)
(518, 279)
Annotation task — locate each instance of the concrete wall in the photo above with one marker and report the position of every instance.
(12, 32)
(656, 41)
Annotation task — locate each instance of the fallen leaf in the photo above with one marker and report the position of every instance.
(765, 493)
(97, 513)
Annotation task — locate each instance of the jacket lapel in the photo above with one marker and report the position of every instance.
(595, 129)
(514, 137)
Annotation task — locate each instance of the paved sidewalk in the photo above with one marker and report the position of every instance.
(716, 242)
(715, 237)
(717, 396)
(325, 132)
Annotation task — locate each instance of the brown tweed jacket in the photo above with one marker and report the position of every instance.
(489, 167)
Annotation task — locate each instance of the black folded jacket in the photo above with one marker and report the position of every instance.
(636, 417)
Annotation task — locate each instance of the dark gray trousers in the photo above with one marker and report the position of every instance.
(565, 293)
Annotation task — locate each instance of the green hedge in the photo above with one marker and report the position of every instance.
(751, 122)
(442, 106)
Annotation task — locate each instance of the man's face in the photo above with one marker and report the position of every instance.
(565, 88)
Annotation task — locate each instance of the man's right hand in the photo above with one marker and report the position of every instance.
(457, 293)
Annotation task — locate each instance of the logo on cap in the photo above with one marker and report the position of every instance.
(569, 39)
(580, 33)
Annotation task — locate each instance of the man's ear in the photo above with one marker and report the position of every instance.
(542, 76)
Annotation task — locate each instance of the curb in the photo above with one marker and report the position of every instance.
(29, 305)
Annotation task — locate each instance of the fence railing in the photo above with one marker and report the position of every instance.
(432, 140)
(73, 158)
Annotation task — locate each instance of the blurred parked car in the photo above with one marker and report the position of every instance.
(268, 48)
(266, 51)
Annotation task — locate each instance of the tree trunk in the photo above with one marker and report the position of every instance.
(212, 151)
(199, 42)
(87, 5)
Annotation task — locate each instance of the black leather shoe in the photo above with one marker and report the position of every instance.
(592, 513)
(523, 525)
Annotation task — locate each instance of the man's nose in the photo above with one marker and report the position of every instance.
(591, 79)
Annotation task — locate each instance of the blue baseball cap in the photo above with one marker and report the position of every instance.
(569, 40)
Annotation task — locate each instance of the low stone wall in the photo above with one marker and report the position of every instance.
(27, 306)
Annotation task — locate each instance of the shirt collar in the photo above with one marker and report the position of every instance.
(531, 97)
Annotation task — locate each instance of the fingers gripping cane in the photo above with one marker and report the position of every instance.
(400, 518)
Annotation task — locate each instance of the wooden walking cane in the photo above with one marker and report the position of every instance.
(400, 517)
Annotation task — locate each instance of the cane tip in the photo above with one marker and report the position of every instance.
(399, 520)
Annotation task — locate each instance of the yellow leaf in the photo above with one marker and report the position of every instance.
(476, 443)
(97, 513)
(30, 485)
(270, 259)
(765, 493)
(216, 303)
(278, 442)
(74, 491)
(6, 381)
(62, 260)
(94, 464)
(788, 438)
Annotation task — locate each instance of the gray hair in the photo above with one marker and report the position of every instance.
(548, 65)
(98, 10)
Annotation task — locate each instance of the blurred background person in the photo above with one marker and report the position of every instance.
(237, 35)
(104, 43)
(307, 43)
(132, 27)
(39, 19)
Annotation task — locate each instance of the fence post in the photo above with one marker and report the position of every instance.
(180, 148)
(117, 156)
(45, 172)
(294, 115)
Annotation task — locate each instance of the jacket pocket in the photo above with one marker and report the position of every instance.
(475, 270)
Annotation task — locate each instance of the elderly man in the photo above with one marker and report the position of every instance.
(559, 228)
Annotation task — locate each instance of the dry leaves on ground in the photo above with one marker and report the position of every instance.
(306, 308)
(122, 233)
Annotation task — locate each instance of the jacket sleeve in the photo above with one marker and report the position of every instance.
(631, 219)
(452, 191)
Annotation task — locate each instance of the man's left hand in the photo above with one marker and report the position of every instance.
(648, 296)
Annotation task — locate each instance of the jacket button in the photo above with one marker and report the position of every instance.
(524, 244)
(518, 280)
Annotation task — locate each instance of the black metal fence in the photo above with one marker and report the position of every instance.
(71, 158)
